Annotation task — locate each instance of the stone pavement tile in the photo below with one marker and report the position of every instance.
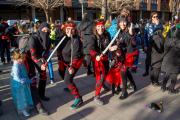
(67, 98)
(113, 105)
(94, 112)
(11, 115)
(90, 81)
(53, 103)
(50, 93)
(7, 103)
(152, 88)
(160, 96)
(113, 117)
(86, 90)
(81, 85)
(137, 96)
(131, 113)
(59, 90)
(165, 115)
(64, 113)
(173, 106)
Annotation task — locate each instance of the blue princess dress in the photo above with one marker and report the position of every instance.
(20, 87)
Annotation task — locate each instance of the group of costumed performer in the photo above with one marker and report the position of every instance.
(65, 50)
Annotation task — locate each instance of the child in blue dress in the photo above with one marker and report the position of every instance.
(20, 83)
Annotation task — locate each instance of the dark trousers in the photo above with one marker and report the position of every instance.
(173, 80)
(154, 75)
(5, 46)
(126, 74)
(88, 56)
(42, 82)
(68, 79)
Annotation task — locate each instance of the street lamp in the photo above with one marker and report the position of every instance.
(82, 1)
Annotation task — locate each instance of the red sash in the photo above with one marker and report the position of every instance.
(61, 64)
(99, 66)
(130, 58)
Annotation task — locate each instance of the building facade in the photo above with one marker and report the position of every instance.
(72, 8)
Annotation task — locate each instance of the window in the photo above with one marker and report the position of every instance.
(144, 1)
(154, 1)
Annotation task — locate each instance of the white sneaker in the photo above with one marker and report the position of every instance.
(25, 113)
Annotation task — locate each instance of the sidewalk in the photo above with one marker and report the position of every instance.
(133, 108)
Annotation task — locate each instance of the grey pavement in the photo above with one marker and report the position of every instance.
(133, 108)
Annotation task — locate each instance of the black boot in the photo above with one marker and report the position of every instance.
(124, 94)
(113, 90)
(118, 89)
(163, 89)
(146, 73)
(45, 98)
(172, 92)
(132, 87)
(147, 70)
(106, 88)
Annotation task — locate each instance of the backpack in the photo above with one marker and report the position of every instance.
(23, 42)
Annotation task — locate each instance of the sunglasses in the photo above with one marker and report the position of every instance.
(155, 16)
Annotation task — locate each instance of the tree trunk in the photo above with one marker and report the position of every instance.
(104, 6)
(47, 16)
(110, 18)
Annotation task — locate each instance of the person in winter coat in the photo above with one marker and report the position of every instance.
(148, 32)
(4, 42)
(157, 51)
(171, 60)
(85, 28)
(58, 32)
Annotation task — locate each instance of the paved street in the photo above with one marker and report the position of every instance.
(133, 108)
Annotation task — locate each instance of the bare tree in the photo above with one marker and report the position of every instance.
(114, 6)
(174, 8)
(46, 5)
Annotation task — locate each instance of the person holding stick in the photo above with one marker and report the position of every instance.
(70, 60)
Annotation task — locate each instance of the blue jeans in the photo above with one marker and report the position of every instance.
(50, 67)
(5, 46)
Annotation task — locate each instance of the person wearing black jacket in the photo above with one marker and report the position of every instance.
(70, 49)
(98, 41)
(156, 49)
(85, 29)
(58, 33)
(34, 49)
(171, 60)
(129, 45)
(4, 42)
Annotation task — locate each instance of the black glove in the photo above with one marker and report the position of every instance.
(1, 34)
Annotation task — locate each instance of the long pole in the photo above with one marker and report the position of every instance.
(82, 10)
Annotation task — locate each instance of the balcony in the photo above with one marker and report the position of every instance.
(143, 6)
(153, 7)
(165, 5)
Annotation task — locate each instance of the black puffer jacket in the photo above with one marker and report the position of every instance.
(157, 48)
(86, 26)
(58, 32)
(171, 60)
